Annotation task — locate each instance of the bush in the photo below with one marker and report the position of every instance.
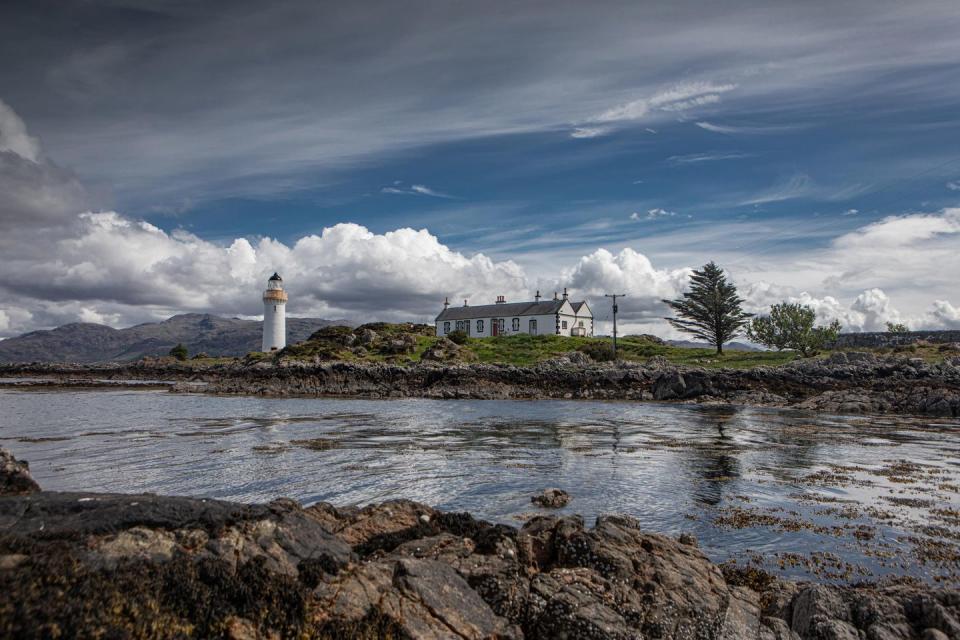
(459, 336)
(791, 326)
(897, 327)
(598, 351)
(179, 352)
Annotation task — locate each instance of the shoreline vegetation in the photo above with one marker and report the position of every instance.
(149, 566)
(405, 360)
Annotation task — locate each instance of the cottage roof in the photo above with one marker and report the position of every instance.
(545, 307)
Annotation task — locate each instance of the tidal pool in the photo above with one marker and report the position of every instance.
(841, 499)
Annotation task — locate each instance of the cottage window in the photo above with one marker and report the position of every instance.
(533, 326)
(446, 327)
(460, 326)
(515, 325)
(563, 324)
(479, 326)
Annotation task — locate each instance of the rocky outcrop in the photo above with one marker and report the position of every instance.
(15, 478)
(145, 566)
(551, 498)
(880, 339)
(843, 383)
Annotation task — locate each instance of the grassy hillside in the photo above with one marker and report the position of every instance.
(411, 343)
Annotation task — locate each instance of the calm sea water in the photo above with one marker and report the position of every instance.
(843, 498)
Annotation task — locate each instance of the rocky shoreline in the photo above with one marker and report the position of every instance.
(850, 383)
(148, 566)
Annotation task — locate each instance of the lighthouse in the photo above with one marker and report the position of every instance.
(274, 315)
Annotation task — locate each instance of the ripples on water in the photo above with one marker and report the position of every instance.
(805, 493)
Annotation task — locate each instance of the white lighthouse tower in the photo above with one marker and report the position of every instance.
(274, 315)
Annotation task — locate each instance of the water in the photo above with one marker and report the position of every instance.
(804, 494)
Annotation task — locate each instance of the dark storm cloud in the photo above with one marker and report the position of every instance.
(184, 100)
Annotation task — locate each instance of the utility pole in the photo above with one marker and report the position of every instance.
(614, 296)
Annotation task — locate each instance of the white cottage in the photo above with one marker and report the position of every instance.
(559, 317)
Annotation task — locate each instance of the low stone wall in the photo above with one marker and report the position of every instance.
(885, 339)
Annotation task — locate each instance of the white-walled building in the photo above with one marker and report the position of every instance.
(274, 315)
(559, 316)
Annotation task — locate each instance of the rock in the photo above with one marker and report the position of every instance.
(446, 350)
(15, 478)
(153, 566)
(688, 539)
(552, 498)
(411, 598)
(669, 386)
(844, 382)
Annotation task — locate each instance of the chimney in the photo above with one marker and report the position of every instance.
(555, 297)
(537, 297)
(464, 302)
(564, 293)
(501, 300)
(446, 302)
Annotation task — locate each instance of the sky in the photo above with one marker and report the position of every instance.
(167, 157)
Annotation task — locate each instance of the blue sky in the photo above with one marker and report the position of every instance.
(534, 144)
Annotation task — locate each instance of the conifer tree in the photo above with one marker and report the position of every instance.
(711, 309)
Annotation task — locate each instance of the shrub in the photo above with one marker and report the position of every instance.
(179, 352)
(459, 336)
(897, 327)
(791, 326)
(598, 351)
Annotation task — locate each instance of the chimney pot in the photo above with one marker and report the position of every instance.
(564, 293)
(537, 297)
(464, 302)
(446, 302)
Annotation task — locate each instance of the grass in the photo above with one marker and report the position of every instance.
(343, 343)
(339, 343)
(526, 350)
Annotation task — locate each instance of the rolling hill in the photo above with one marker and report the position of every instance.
(88, 342)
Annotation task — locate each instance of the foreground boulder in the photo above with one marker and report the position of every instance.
(83, 565)
(144, 566)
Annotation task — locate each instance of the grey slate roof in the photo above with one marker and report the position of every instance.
(542, 308)
(501, 310)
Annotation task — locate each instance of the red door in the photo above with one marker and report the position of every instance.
(494, 327)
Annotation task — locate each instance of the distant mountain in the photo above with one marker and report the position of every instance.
(88, 342)
(730, 346)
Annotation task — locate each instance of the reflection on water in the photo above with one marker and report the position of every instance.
(810, 494)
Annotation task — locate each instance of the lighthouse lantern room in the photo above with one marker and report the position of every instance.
(274, 315)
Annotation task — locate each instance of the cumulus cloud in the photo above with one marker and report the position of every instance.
(628, 272)
(61, 265)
